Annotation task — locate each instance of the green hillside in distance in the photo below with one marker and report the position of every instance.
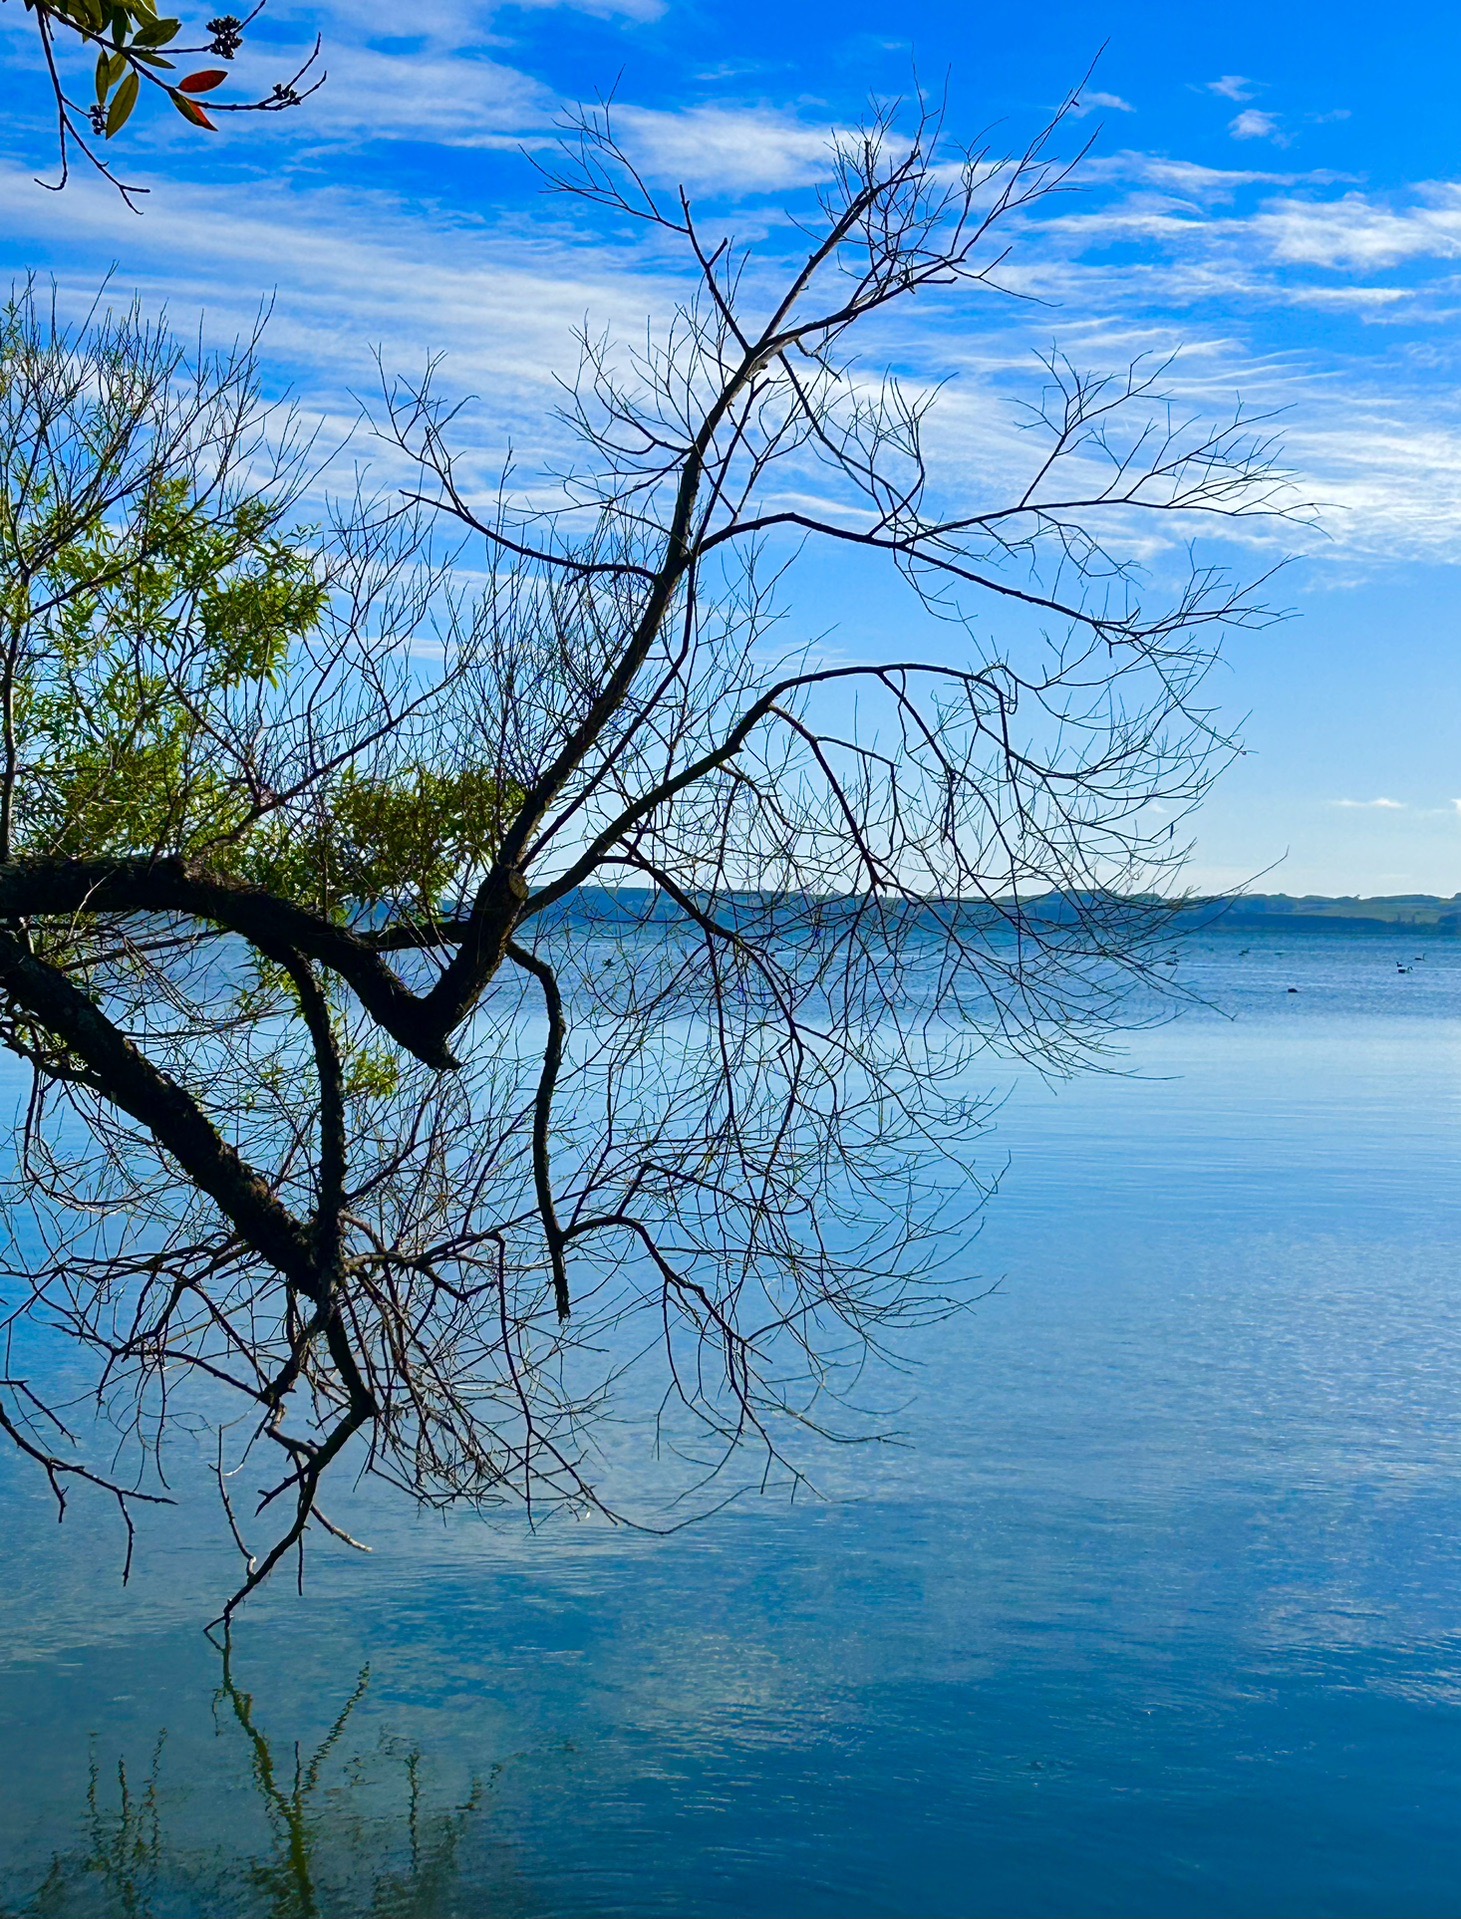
(1267, 910)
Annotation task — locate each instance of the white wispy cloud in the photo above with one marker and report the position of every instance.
(1232, 86)
(1205, 253)
(1200, 184)
(454, 97)
(600, 9)
(1097, 102)
(726, 149)
(1374, 439)
(1357, 231)
(439, 80)
(1181, 211)
(347, 272)
(1251, 124)
(1372, 806)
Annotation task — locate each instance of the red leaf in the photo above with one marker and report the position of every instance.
(204, 82)
(190, 110)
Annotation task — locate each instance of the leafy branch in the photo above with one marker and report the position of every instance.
(135, 48)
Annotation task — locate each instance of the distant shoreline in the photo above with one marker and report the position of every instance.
(1246, 912)
(1317, 913)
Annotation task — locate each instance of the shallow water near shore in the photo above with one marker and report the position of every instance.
(1156, 1609)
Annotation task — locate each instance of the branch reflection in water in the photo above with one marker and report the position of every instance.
(352, 1829)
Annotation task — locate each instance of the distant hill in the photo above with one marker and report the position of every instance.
(1313, 912)
(1254, 913)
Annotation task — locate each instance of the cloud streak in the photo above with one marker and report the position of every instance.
(1162, 252)
(1100, 102)
(726, 150)
(1250, 124)
(1357, 231)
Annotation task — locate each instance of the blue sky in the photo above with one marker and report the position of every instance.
(1273, 191)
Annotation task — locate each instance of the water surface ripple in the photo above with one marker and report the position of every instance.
(1156, 1610)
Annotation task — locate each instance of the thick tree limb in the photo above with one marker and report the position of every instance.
(420, 1024)
(543, 1119)
(171, 1114)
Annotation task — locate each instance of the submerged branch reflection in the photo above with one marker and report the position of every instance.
(350, 1828)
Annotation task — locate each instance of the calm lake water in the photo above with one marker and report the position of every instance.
(1156, 1611)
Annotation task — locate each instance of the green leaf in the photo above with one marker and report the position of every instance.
(121, 107)
(116, 66)
(156, 33)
